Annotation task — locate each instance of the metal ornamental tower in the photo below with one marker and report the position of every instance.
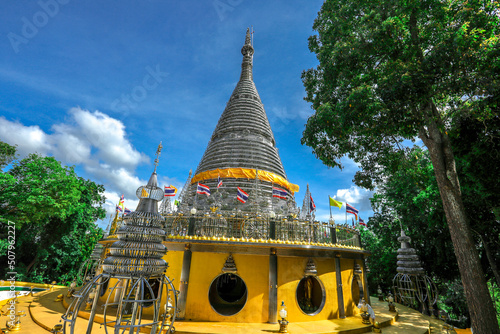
(127, 296)
(411, 285)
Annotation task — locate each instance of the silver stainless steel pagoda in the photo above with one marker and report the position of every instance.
(412, 286)
(242, 149)
(133, 277)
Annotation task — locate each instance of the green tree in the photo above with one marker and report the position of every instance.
(54, 212)
(408, 199)
(411, 195)
(390, 71)
(7, 154)
(477, 150)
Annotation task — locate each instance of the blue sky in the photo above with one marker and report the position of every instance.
(98, 84)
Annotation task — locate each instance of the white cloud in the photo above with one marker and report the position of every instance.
(108, 136)
(355, 196)
(92, 140)
(29, 139)
(120, 179)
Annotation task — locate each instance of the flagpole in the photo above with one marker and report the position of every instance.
(196, 196)
(330, 205)
(272, 189)
(346, 213)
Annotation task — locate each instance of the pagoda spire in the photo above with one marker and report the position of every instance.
(241, 144)
(247, 64)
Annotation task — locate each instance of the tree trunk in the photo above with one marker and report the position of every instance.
(29, 267)
(479, 301)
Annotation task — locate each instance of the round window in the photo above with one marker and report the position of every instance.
(310, 295)
(227, 294)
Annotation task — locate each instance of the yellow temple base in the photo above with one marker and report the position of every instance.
(43, 313)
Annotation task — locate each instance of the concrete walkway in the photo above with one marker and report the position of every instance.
(43, 313)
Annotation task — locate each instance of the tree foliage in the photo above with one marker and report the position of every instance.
(381, 62)
(54, 211)
(7, 154)
(391, 71)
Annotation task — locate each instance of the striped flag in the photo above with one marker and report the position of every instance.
(351, 209)
(170, 191)
(203, 189)
(219, 182)
(127, 211)
(362, 222)
(279, 193)
(119, 208)
(312, 206)
(241, 196)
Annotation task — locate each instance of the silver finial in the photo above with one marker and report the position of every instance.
(157, 159)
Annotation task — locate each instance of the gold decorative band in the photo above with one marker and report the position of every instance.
(245, 173)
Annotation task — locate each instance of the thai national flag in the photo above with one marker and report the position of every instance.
(351, 209)
(203, 189)
(122, 199)
(127, 211)
(170, 191)
(280, 193)
(119, 208)
(311, 204)
(362, 222)
(242, 196)
(219, 182)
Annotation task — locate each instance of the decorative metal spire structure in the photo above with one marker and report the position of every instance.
(241, 144)
(166, 206)
(306, 213)
(184, 196)
(135, 269)
(411, 286)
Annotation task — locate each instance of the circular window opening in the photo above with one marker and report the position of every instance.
(357, 290)
(227, 294)
(310, 295)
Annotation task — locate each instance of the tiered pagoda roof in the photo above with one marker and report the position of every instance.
(242, 150)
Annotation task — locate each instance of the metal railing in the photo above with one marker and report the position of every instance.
(260, 228)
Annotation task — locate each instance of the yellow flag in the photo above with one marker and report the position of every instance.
(175, 189)
(144, 193)
(335, 203)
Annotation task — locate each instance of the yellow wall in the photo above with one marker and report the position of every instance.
(291, 271)
(174, 260)
(253, 270)
(347, 269)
